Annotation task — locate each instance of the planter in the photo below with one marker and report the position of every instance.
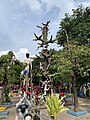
(7, 103)
(79, 113)
(4, 113)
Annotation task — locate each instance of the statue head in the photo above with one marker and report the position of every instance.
(27, 55)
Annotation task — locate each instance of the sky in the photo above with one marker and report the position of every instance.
(18, 20)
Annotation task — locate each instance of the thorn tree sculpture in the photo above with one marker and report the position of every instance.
(45, 54)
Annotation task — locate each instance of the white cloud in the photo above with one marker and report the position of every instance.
(86, 4)
(38, 6)
(58, 3)
(63, 5)
(4, 52)
(34, 5)
(20, 55)
(12, 0)
(27, 21)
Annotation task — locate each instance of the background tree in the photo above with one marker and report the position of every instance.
(76, 27)
(10, 68)
(72, 66)
(36, 70)
(74, 30)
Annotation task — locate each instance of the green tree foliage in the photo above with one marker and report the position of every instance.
(36, 70)
(73, 65)
(74, 30)
(75, 27)
(76, 58)
(10, 68)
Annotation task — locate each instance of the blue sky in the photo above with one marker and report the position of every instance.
(18, 20)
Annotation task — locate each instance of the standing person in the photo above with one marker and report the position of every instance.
(87, 91)
(45, 87)
(62, 91)
(81, 93)
(84, 90)
(36, 98)
(28, 93)
(23, 90)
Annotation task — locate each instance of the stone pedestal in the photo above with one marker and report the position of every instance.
(1, 95)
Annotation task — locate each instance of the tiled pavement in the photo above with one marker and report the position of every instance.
(84, 103)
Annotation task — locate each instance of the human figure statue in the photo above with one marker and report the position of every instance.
(27, 71)
(46, 87)
(45, 84)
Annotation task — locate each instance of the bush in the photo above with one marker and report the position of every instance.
(54, 106)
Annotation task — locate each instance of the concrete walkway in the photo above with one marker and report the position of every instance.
(84, 103)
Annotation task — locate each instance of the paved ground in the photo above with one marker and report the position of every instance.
(84, 103)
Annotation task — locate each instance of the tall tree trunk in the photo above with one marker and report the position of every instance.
(76, 105)
(70, 85)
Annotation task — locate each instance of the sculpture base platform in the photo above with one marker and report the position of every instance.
(4, 113)
(7, 103)
(79, 113)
